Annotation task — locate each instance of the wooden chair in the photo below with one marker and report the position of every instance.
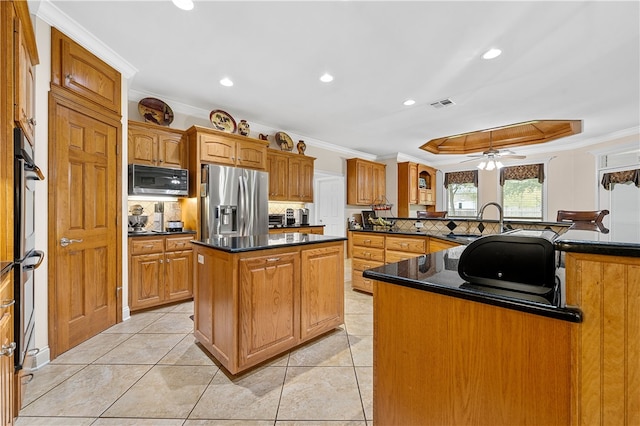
(421, 214)
(584, 220)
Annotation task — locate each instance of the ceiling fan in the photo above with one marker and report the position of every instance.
(490, 159)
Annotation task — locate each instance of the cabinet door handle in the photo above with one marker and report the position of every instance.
(273, 259)
(403, 245)
(7, 303)
(160, 260)
(7, 350)
(367, 241)
(148, 246)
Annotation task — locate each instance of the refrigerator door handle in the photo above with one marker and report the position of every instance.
(242, 205)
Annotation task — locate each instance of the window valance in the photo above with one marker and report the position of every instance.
(529, 171)
(466, 176)
(608, 179)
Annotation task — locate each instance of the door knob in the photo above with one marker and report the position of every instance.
(7, 350)
(64, 241)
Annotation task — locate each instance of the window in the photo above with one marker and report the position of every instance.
(462, 193)
(522, 191)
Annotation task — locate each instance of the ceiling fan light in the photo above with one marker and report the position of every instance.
(183, 4)
(499, 165)
(491, 165)
(482, 165)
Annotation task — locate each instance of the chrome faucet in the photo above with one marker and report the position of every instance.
(499, 207)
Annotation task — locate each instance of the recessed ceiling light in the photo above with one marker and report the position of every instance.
(326, 77)
(183, 4)
(491, 53)
(226, 82)
(409, 102)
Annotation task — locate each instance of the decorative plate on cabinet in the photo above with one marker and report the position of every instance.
(223, 121)
(284, 141)
(155, 111)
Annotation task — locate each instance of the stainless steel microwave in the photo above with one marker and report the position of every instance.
(148, 180)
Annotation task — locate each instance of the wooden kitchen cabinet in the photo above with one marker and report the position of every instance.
(322, 290)
(319, 230)
(367, 252)
(252, 306)
(7, 358)
(416, 186)
(268, 306)
(290, 176)
(436, 244)
(227, 149)
(404, 247)
(278, 169)
(160, 270)
(77, 70)
(153, 145)
(366, 182)
(25, 61)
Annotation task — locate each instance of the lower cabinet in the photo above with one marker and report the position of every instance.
(7, 343)
(253, 306)
(436, 244)
(160, 270)
(269, 294)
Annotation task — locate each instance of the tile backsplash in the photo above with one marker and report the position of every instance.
(172, 211)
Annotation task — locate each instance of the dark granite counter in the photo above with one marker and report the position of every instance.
(154, 233)
(598, 247)
(438, 273)
(295, 226)
(265, 241)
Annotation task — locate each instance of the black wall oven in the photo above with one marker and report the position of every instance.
(26, 257)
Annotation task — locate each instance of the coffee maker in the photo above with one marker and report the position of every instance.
(303, 216)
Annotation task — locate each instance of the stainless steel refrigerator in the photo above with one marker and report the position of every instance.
(235, 201)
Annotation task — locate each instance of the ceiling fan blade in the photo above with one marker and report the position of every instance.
(513, 156)
(471, 159)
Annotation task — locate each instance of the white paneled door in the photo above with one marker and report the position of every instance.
(330, 204)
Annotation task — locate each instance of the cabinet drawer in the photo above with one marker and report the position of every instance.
(368, 240)
(368, 253)
(397, 256)
(411, 245)
(140, 246)
(363, 265)
(361, 283)
(437, 245)
(178, 243)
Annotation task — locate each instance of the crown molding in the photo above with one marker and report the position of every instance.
(53, 16)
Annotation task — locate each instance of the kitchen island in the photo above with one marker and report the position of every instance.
(258, 296)
(448, 352)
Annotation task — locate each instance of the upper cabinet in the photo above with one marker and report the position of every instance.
(25, 60)
(154, 145)
(84, 74)
(416, 186)
(213, 146)
(290, 176)
(366, 182)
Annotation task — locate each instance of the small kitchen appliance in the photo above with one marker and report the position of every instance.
(276, 220)
(148, 180)
(138, 222)
(290, 218)
(158, 217)
(303, 215)
(174, 226)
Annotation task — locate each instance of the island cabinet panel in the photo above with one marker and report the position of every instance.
(440, 360)
(607, 368)
(322, 292)
(269, 294)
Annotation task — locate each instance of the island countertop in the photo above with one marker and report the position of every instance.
(234, 244)
(438, 273)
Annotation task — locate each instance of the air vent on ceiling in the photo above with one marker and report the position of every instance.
(442, 103)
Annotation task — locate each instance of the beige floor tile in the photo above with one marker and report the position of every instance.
(361, 350)
(320, 393)
(359, 324)
(46, 378)
(252, 396)
(166, 391)
(365, 383)
(92, 349)
(135, 323)
(188, 352)
(171, 323)
(54, 421)
(329, 350)
(358, 303)
(119, 421)
(186, 307)
(228, 423)
(141, 349)
(88, 393)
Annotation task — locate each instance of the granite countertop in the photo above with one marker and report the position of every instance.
(154, 233)
(438, 273)
(462, 239)
(598, 247)
(294, 226)
(235, 244)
